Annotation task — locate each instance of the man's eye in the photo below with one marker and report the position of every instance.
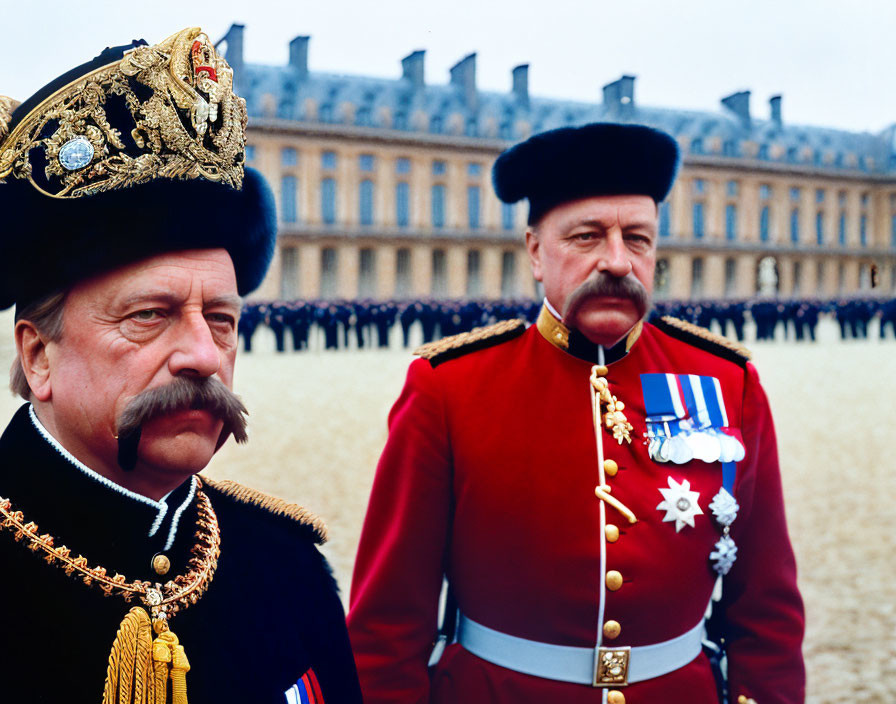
(585, 236)
(145, 315)
(220, 318)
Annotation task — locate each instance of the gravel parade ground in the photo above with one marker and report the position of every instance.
(318, 424)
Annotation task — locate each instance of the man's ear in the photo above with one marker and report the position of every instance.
(32, 351)
(533, 247)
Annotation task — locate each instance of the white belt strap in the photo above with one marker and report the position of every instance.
(607, 666)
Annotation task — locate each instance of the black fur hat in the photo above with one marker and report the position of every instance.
(599, 159)
(136, 153)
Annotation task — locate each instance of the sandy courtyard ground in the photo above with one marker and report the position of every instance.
(318, 424)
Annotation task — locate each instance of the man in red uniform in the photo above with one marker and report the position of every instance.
(589, 486)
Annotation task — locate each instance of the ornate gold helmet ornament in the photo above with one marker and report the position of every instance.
(163, 111)
(137, 152)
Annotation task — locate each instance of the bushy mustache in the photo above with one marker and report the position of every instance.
(182, 394)
(600, 283)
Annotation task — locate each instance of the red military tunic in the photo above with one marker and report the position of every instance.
(489, 476)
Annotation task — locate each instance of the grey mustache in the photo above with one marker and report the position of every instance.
(603, 284)
(187, 393)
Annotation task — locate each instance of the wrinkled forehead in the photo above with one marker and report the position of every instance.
(199, 275)
(625, 210)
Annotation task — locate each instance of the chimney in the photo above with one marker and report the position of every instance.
(412, 68)
(521, 84)
(739, 104)
(619, 96)
(233, 54)
(775, 105)
(463, 75)
(298, 55)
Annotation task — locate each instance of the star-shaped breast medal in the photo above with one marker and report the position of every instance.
(679, 503)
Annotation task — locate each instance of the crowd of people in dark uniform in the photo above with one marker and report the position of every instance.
(367, 323)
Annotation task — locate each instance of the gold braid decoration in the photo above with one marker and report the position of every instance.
(139, 669)
(614, 418)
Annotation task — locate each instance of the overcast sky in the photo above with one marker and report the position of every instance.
(833, 61)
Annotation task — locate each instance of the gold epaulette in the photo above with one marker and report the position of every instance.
(271, 504)
(466, 342)
(705, 339)
(7, 106)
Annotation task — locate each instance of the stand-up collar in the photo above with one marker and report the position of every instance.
(91, 514)
(575, 343)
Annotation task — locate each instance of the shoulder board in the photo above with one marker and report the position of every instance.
(466, 342)
(270, 504)
(704, 339)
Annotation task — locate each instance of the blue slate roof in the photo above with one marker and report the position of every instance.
(282, 91)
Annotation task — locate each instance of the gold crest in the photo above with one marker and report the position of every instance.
(163, 111)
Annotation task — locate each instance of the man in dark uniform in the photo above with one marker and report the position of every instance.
(589, 485)
(130, 232)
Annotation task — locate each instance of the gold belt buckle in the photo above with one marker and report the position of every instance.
(611, 667)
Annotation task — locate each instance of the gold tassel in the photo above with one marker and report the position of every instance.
(130, 661)
(139, 667)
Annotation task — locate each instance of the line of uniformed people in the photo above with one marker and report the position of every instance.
(369, 323)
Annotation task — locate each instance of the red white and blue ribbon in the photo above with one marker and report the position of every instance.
(305, 691)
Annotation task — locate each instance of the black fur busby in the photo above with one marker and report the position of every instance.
(599, 159)
(180, 185)
(49, 244)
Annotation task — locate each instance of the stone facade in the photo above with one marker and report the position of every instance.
(383, 188)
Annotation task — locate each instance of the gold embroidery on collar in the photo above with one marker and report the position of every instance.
(186, 123)
(555, 332)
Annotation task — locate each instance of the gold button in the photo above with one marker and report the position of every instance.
(614, 696)
(600, 370)
(612, 532)
(610, 467)
(161, 564)
(614, 580)
(612, 629)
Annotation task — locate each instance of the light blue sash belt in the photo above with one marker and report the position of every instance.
(579, 665)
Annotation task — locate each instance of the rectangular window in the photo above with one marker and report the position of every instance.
(402, 272)
(864, 200)
(696, 277)
(403, 165)
(439, 167)
(329, 263)
(402, 204)
(698, 220)
(764, 232)
(863, 230)
(797, 278)
(474, 169)
(730, 276)
(366, 162)
(893, 231)
(841, 198)
(328, 200)
(439, 273)
(765, 191)
(365, 204)
(819, 195)
(699, 186)
(795, 225)
(731, 188)
(841, 230)
(819, 228)
(328, 160)
(507, 217)
(665, 219)
(508, 275)
(367, 272)
(730, 222)
(819, 278)
(289, 156)
(794, 194)
(289, 273)
(289, 188)
(474, 273)
(438, 205)
(473, 207)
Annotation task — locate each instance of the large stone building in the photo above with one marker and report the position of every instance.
(383, 187)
